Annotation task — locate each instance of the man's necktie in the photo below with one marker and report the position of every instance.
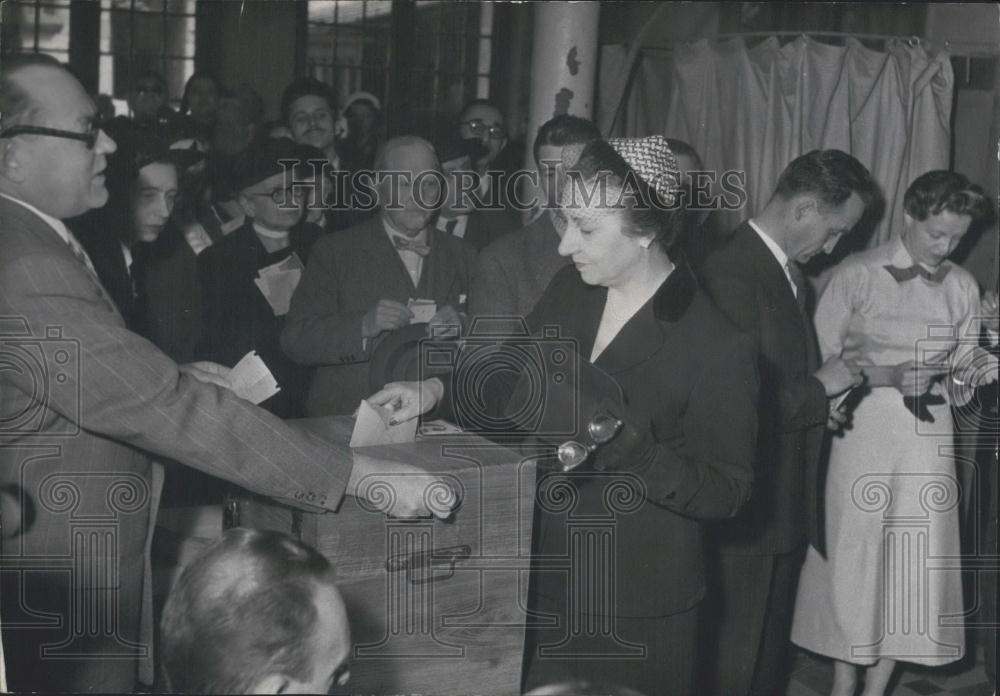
(80, 254)
(799, 280)
(413, 245)
(901, 275)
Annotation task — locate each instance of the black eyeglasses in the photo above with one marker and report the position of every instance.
(89, 137)
(478, 127)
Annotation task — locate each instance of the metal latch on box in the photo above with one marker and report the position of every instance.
(428, 566)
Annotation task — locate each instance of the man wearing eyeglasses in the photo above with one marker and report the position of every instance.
(238, 315)
(492, 217)
(85, 403)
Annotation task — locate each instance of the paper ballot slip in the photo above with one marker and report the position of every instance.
(278, 281)
(372, 427)
(251, 380)
(423, 310)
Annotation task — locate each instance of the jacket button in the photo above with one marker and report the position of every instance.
(311, 497)
(670, 496)
(298, 495)
(322, 500)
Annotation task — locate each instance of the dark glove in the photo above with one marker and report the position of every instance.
(917, 405)
(632, 449)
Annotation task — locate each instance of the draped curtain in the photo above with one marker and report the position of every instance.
(755, 109)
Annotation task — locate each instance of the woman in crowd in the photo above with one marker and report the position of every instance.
(121, 238)
(912, 319)
(687, 393)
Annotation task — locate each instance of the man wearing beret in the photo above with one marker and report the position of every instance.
(358, 285)
(237, 316)
(90, 402)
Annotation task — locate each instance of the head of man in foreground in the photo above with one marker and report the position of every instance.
(256, 612)
(52, 152)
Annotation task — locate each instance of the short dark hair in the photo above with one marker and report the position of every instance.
(479, 102)
(942, 191)
(565, 130)
(16, 105)
(195, 76)
(644, 212)
(150, 74)
(831, 175)
(303, 87)
(244, 609)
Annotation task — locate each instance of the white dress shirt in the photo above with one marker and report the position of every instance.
(779, 254)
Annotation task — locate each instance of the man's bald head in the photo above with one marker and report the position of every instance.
(252, 607)
(60, 172)
(16, 105)
(399, 152)
(410, 185)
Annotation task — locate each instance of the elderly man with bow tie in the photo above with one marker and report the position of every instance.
(360, 285)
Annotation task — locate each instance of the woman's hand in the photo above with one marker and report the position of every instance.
(912, 379)
(408, 400)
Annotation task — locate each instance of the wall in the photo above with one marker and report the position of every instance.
(258, 46)
(974, 29)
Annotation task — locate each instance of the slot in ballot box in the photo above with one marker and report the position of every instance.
(436, 607)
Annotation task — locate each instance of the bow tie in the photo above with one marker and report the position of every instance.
(407, 244)
(902, 275)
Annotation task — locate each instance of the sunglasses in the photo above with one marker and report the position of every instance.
(88, 137)
(478, 128)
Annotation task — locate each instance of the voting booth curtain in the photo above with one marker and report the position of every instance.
(754, 109)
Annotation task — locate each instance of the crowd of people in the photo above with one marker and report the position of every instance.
(767, 437)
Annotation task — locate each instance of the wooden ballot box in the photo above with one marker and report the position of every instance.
(436, 607)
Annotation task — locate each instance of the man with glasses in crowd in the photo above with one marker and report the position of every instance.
(85, 403)
(237, 316)
(492, 216)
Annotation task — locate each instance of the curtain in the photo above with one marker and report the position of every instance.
(755, 109)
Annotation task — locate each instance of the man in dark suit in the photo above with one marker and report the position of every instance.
(357, 285)
(88, 402)
(513, 272)
(755, 280)
(237, 316)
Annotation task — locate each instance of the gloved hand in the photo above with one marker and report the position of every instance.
(633, 448)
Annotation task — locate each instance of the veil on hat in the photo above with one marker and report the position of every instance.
(649, 157)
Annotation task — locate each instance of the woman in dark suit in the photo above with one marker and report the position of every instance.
(618, 544)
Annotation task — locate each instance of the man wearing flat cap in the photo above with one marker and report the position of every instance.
(364, 283)
(237, 316)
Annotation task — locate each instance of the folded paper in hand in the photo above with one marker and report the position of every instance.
(423, 310)
(278, 281)
(251, 380)
(372, 427)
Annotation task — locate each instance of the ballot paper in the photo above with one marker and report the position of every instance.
(251, 380)
(278, 281)
(423, 310)
(372, 427)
